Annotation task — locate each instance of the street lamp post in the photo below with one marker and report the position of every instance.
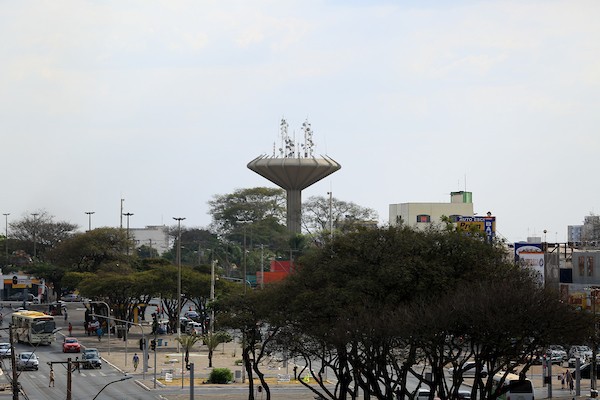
(34, 235)
(107, 317)
(89, 214)
(178, 219)
(110, 383)
(128, 215)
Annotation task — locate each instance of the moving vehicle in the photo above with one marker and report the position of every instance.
(71, 345)
(20, 296)
(91, 358)
(27, 360)
(33, 327)
(468, 370)
(5, 350)
(71, 297)
(513, 387)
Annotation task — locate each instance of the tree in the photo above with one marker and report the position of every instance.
(398, 300)
(187, 342)
(252, 204)
(318, 213)
(212, 340)
(39, 231)
(248, 314)
(87, 252)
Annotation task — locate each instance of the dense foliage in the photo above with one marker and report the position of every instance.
(380, 307)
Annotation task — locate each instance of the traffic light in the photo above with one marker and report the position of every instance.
(142, 343)
(153, 344)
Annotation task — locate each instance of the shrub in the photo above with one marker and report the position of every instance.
(220, 375)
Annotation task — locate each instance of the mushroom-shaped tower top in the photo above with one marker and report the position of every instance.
(294, 171)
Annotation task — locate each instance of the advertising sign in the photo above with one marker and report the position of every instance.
(480, 224)
(531, 255)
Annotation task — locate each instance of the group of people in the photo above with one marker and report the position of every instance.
(567, 379)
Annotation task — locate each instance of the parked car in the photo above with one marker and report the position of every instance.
(71, 345)
(71, 297)
(193, 315)
(193, 328)
(92, 359)
(5, 350)
(468, 370)
(423, 394)
(584, 352)
(586, 369)
(27, 360)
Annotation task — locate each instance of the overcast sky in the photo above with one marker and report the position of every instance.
(163, 103)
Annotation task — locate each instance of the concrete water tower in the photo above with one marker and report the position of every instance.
(294, 170)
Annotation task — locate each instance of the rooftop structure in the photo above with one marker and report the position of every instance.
(294, 168)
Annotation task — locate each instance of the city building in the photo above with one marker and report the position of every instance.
(154, 236)
(421, 215)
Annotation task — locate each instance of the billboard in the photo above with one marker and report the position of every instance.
(531, 255)
(486, 225)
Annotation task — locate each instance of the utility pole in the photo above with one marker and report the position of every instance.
(13, 361)
(89, 214)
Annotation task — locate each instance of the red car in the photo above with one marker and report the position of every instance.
(71, 345)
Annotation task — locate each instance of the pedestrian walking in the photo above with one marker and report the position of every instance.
(136, 361)
(70, 329)
(77, 364)
(99, 333)
(66, 315)
(570, 381)
(51, 383)
(562, 380)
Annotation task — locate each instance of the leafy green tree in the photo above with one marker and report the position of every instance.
(89, 251)
(319, 214)
(252, 204)
(377, 305)
(39, 231)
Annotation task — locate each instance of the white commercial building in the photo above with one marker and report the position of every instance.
(421, 215)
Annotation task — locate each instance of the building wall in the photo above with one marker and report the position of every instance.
(574, 233)
(586, 267)
(409, 212)
(157, 236)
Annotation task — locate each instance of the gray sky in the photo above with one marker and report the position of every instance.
(163, 103)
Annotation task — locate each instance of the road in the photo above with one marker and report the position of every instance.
(86, 384)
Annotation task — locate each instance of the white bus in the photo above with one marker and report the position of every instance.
(511, 387)
(33, 327)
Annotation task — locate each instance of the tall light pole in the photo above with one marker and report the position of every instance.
(244, 259)
(89, 214)
(6, 236)
(34, 235)
(178, 219)
(128, 215)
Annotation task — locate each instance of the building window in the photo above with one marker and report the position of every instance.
(590, 266)
(423, 218)
(581, 266)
